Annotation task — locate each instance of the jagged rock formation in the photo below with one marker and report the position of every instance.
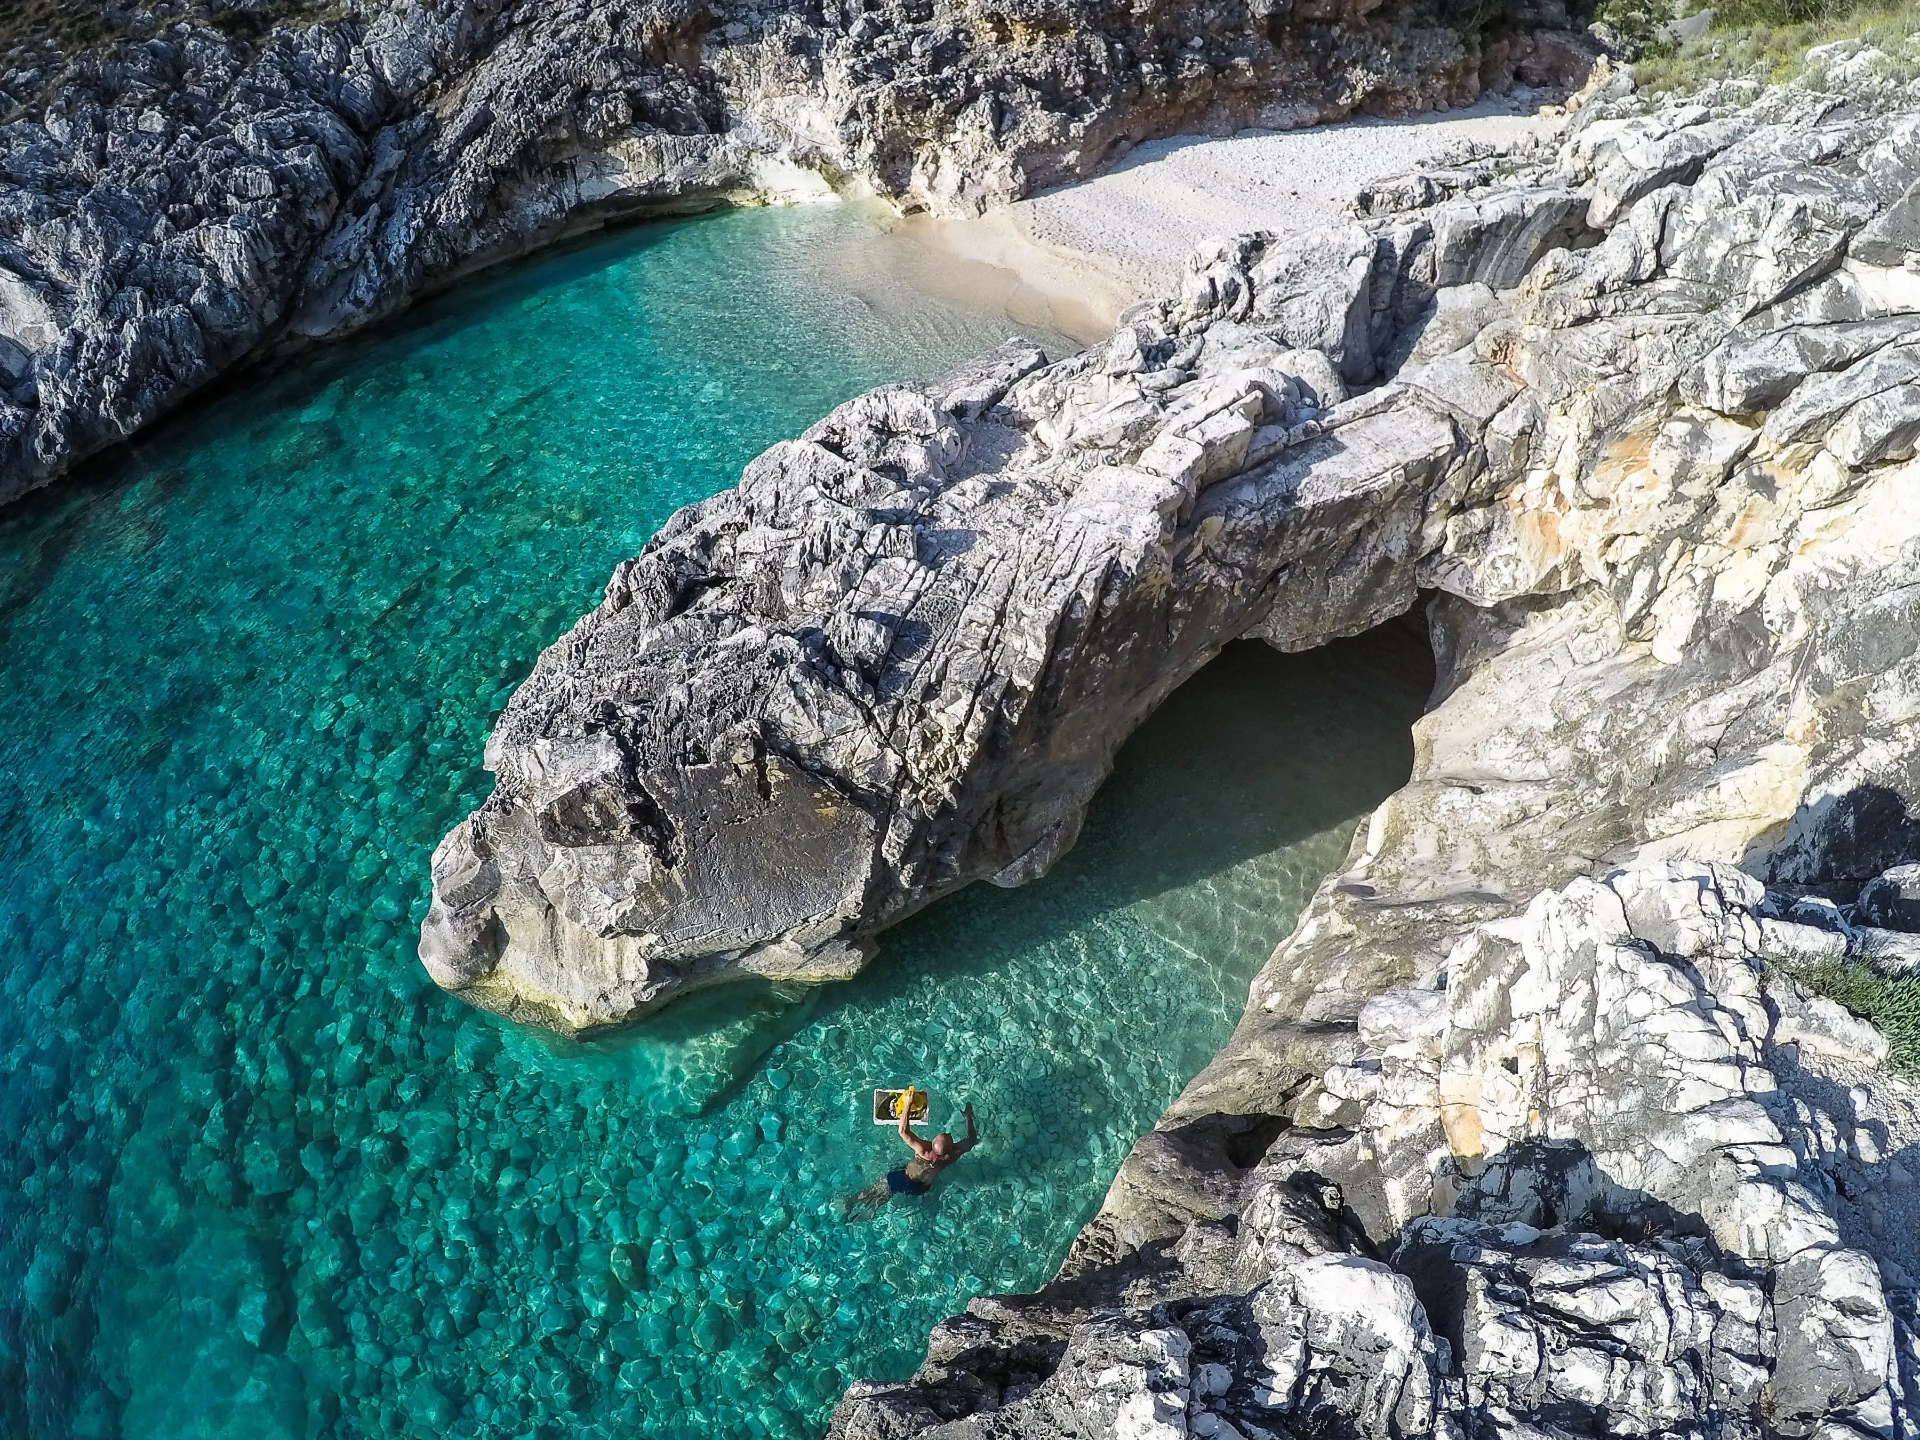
(1546, 1085)
(920, 677)
(173, 203)
(1525, 1129)
(1580, 1183)
(900, 657)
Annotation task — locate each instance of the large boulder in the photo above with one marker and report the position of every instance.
(901, 655)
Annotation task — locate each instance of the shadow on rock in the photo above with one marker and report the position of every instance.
(1838, 843)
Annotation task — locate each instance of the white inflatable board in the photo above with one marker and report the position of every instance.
(886, 1106)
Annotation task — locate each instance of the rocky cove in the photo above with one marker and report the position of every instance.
(232, 180)
(261, 1179)
(1530, 1124)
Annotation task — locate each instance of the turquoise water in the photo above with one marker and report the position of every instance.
(259, 1179)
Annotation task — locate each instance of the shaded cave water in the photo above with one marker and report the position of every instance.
(259, 1178)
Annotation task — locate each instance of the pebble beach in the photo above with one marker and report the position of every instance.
(1073, 258)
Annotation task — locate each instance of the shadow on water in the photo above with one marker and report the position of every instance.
(1258, 752)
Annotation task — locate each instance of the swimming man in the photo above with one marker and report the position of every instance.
(915, 1177)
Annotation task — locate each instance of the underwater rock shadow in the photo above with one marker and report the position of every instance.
(1183, 804)
(1193, 792)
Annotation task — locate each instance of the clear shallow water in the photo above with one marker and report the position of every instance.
(258, 1178)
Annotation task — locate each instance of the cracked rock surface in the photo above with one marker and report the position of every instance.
(1533, 1070)
(1576, 1182)
(1527, 1128)
(910, 641)
(927, 638)
(192, 194)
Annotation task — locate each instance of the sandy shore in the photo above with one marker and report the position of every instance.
(1071, 259)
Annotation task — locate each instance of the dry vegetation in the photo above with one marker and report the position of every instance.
(1767, 41)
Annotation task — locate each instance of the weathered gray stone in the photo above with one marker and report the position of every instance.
(1883, 426)
(1495, 241)
(1760, 242)
(173, 204)
(1451, 321)
(1820, 400)
(1316, 290)
(1890, 237)
(1630, 159)
(1892, 900)
(1539, 1040)
(1749, 373)
(627, 851)
(1578, 1326)
(1599, 1208)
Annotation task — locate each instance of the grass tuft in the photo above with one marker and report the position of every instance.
(1893, 1005)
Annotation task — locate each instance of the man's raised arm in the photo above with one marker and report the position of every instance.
(919, 1147)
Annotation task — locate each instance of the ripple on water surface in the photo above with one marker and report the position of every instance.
(258, 1178)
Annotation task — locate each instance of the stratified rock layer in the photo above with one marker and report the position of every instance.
(176, 203)
(1526, 1129)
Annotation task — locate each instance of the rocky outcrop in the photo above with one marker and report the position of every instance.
(911, 641)
(152, 231)
(1527, 1127)
(176, 201)
(1580, 1182)
(1532, 1075)
(900, 657)
(181, 202)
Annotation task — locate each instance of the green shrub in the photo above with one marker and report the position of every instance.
(1637, 26)
(1779, 14)
(1767, 40)
(1893, 1005)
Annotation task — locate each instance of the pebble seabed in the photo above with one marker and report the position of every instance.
(258, 1178)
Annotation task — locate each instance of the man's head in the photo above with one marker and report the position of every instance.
(943, 1144)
